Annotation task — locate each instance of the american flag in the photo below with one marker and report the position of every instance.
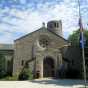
(80, 25)
(81, 34)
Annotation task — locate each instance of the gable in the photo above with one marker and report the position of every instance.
(58, 40)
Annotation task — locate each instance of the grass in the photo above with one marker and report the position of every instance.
(10, 78)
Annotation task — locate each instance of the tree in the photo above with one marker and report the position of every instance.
(74, 39)
(75, 36)
(2, 66)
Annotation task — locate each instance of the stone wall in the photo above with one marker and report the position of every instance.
(28, 47)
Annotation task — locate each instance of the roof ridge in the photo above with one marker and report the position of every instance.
(30, 33)
(58, 35)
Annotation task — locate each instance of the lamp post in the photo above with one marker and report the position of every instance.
(82, 43)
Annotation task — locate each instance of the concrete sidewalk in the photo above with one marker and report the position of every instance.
(43, 83)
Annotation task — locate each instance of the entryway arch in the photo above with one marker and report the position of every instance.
(48, 67)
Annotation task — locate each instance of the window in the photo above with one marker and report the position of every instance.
(56, 25)
(44, 42)
(22, 62)
(72, 62)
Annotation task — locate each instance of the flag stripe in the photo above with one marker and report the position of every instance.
(80, 25)
(81, 33)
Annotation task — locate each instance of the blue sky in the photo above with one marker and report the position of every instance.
(19, 17)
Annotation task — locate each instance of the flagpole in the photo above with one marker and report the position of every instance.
(83, 52)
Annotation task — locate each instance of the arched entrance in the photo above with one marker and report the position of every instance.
(48, 67)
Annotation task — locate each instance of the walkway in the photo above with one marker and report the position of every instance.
(43, 83)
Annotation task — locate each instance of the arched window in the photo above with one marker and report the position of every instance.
(56, 25)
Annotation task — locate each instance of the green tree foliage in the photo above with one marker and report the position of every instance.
(26, 74)
(75, 36)
(2, 66)
(74, 39)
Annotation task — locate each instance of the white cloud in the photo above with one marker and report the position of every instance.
(6, 38)
(23, 1)
(31, 19)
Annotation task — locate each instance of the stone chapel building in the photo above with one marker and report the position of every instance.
(41, 50)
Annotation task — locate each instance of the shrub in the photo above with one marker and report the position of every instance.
(26, 74)
(10, 78)
(2, 73)
(7, 77)
(72, 73)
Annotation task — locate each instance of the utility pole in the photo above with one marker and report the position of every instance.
(82, 43)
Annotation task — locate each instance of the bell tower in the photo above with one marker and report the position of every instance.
(55, 26)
